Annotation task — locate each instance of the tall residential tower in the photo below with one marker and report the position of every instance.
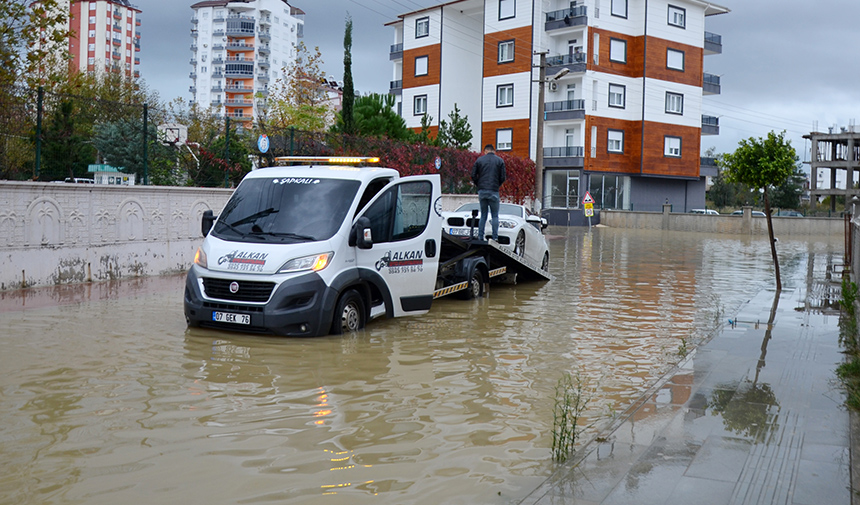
(622, 96)
(239, 48)
(105, 36)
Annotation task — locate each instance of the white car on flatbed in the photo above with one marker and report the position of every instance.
(520, 231)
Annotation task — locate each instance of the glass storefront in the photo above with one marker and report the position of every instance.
(562, 190)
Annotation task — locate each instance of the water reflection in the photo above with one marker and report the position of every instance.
(108, 399)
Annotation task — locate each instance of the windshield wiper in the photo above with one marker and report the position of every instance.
(253, 217)
(284, 234)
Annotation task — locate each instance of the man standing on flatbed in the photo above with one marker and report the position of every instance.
(488, 175)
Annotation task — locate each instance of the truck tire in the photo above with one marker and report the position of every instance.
(349, 314)
(476, 286)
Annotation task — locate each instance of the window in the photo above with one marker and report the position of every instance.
(675, 59)
(92, 19)
(91, 47)
(608, 191)
(674, 103)
(401, 213)
(419, 105)
(92, 6)
(563, 189)
(618, 50)
(504, 139)
(615, 141)
(505, 95)
(506, 51)
(672, 147)
(507, 9)
(677, 16)
(91, 60)
(422, 27)
(92, 34)
(619, 8)
(421, 65)
(616, 95)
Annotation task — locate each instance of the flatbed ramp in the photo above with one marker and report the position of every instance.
(503, 263)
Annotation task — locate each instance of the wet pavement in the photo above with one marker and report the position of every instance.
(752, 416)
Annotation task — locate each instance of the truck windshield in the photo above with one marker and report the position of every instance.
(286, 209)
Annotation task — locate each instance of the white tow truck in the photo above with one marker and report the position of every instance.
(319, 249)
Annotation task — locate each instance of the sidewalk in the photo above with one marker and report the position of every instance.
(753, 416)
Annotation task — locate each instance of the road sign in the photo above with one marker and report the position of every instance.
(589, 209)
(587, 198)
(263, 143)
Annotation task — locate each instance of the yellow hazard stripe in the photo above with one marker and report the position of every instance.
(450, 289)
(498, 271)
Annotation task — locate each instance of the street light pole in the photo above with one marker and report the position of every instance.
(537, 203)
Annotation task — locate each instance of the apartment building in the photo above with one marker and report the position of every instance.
(239, 48)
(105, 36)
(623, 91)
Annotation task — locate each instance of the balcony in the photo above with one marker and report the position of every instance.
(239, 116)
(396, 52)
(708, 167)
(219, 19)
(575, 62)
(218, 47)
(395, 88)
(117, 15)
(217, 88)
(567, 156)
(238, 89)
(137, 60)
(117, 28)
(192, 90)
(710, 125)
(239, 71)
(218, 60)
(117, 42)
(263, 92)
(194, 33)
(215, 103)
(264, 36)
(193, 75)
(194, 21)
(265, 20)
(713, 43)
(239, 102)
(217, 74)
(218, 32)
(115, 55)
(238, 46)
(710, 84)
(263, 50)
(564, 110)
(263, 77)
(566, 18)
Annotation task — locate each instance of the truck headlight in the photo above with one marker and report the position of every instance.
(314, 263)
(507, 224)
(200, 258)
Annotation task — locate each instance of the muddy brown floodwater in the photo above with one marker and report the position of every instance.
(106, 397)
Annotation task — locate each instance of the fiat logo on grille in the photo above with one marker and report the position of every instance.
(234, 287)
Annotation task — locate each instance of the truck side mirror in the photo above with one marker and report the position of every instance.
(207, 222)
(360, 234)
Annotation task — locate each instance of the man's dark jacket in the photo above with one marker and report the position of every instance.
(488, 172)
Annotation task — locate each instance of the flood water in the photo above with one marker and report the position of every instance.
(106, 397)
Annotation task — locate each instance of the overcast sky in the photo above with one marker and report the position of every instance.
(785, 65)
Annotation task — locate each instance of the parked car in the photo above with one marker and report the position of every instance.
(789, 213)
(710, 212)
(80, 180)
(755, 213)
(520, 231)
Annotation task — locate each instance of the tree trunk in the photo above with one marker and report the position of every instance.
(772, 240)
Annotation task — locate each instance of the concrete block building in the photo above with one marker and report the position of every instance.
(238, 49)
(105, 36)
(623, 120)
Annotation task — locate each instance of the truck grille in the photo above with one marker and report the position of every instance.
(249, 291)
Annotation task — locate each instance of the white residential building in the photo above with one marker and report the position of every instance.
(239, 48)
(624, 122)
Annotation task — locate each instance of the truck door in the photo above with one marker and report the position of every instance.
(406, 228)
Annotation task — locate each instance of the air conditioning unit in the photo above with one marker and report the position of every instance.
(553, 86)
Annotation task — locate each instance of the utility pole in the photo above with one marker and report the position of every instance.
(145, 126)
(40, 99)
(227, 153)
(537, 203)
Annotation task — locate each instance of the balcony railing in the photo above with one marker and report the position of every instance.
(238, 89)
(219, 32)
(238, 46)
(263, 77)
(194, 21)
(192, 89)
(239, 116)
(710, 84)
(193, 75)
(217, 74)
(564, 105)
(263, 49)
(396, 85)
(265, 36)
(217, 88)
(564, 152)
(574, 16)
(713, 43)
(239, 103)
(218, 60)
(710, 125)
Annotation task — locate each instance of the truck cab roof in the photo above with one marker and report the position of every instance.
(345, 172)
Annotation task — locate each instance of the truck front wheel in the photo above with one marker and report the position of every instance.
(349, 315)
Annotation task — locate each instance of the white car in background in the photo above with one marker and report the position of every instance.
(520, 231)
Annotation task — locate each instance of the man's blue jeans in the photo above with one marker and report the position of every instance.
(488, 200)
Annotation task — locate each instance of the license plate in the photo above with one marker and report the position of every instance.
(229, 317)
(464, 232)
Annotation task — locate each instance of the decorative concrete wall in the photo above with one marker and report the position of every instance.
(65, 233)
(738, 225)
